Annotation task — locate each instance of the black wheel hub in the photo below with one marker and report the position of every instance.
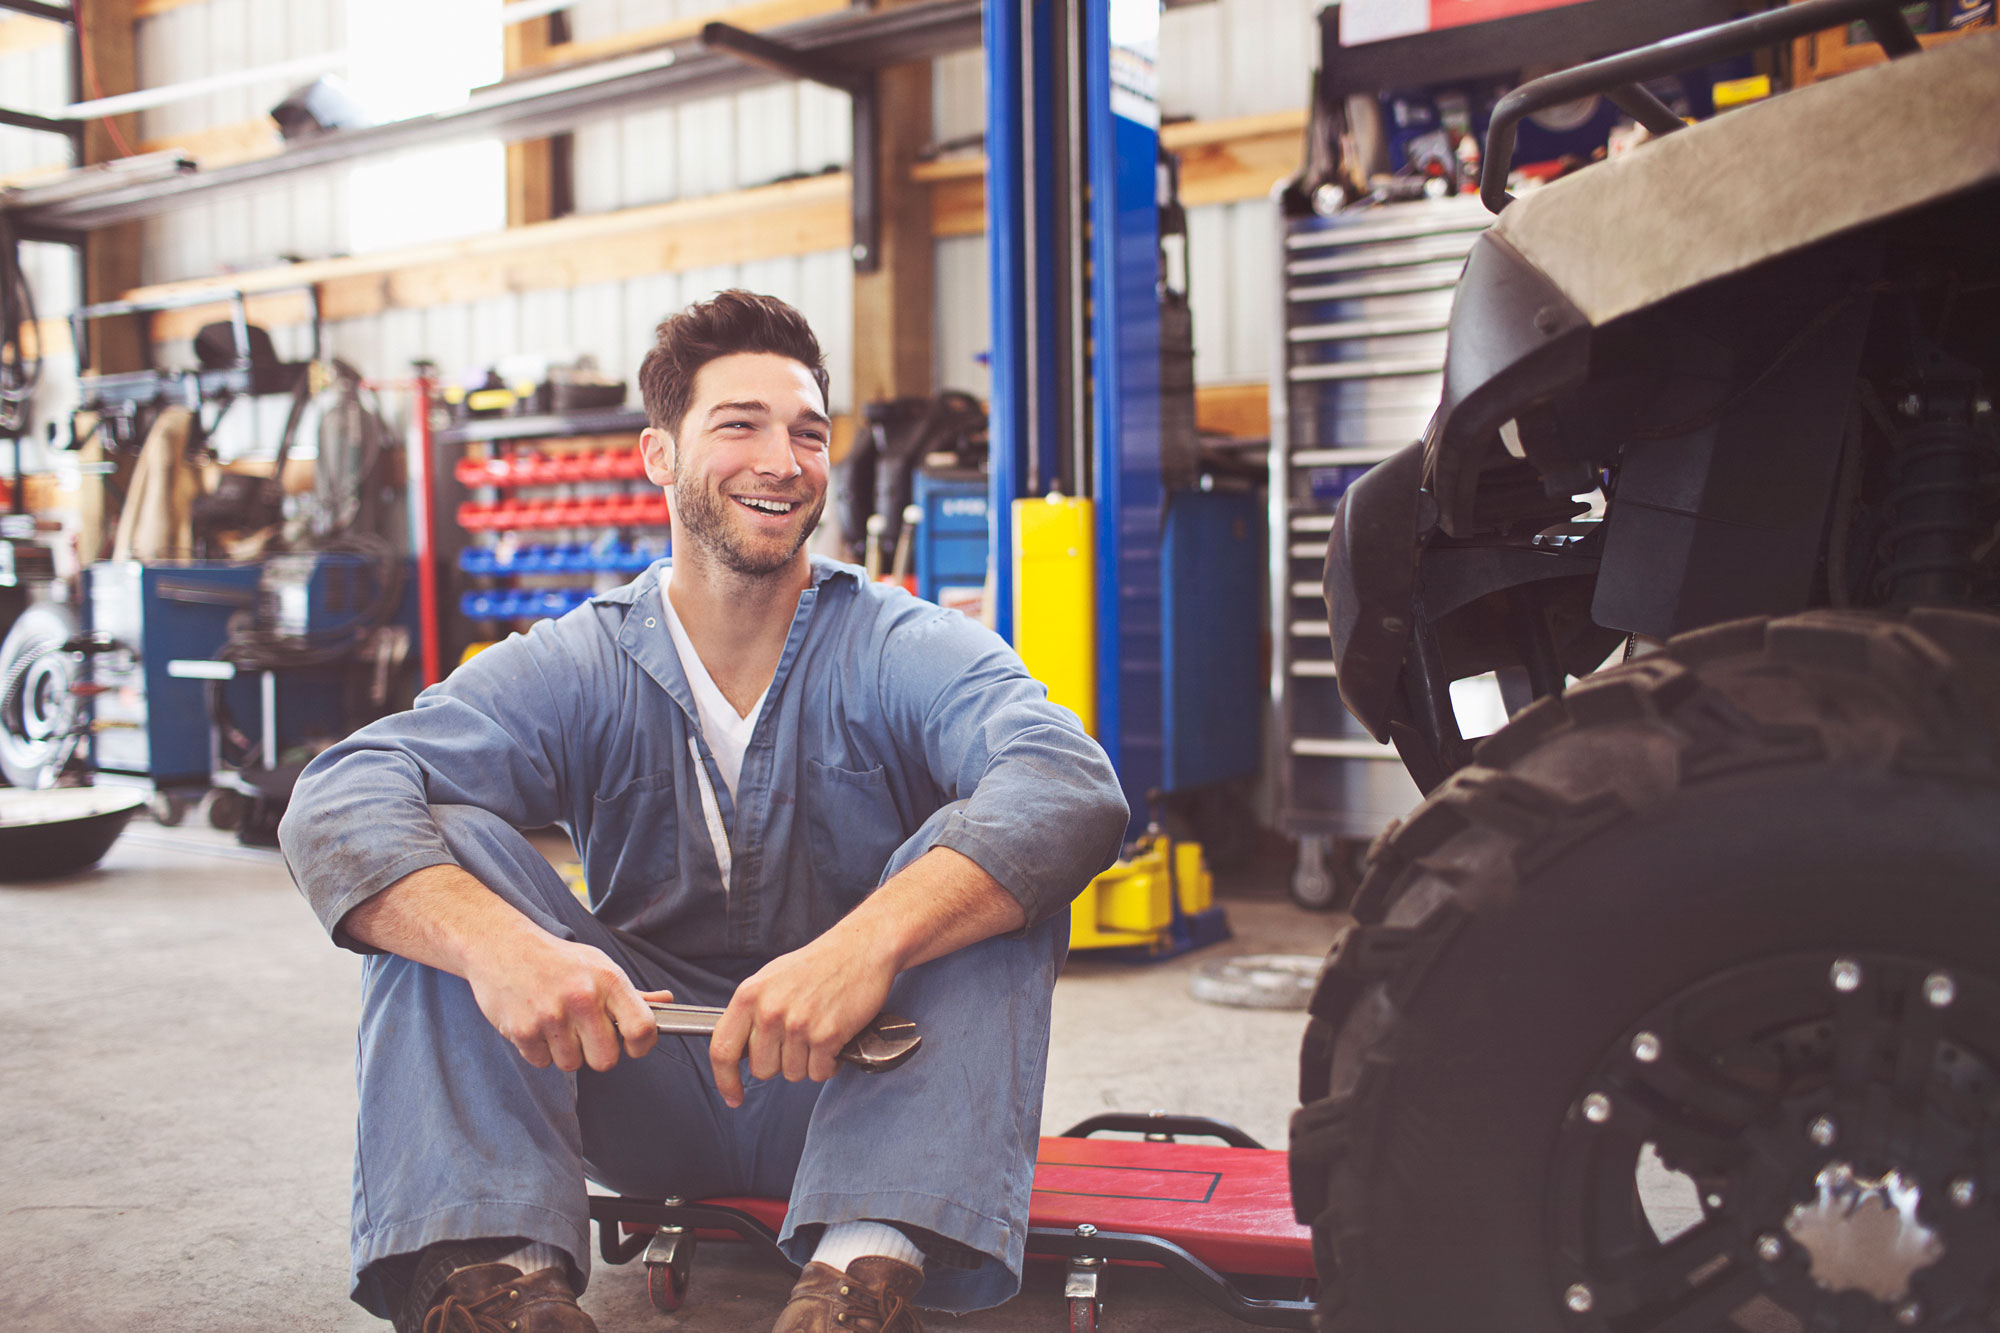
(1810, 1142)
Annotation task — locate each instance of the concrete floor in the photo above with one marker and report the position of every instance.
(177, 1104)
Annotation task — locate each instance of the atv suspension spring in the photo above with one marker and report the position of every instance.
(1933, 515)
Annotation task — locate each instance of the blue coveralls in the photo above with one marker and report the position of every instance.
(891, 727)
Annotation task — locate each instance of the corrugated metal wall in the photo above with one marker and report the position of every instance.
(1222, 59)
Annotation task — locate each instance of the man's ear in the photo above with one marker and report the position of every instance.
(656, 449)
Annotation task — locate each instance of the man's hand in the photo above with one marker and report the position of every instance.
(558, 1001)
(565, 1004)
(796, 1013)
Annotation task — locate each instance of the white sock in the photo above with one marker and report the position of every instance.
(534, 1257)
(844, 1242)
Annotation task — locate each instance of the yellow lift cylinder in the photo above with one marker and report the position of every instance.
(1055, 600)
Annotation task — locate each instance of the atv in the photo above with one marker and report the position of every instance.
(1676, 1003)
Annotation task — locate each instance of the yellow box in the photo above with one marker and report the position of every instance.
(1055, 600)
(1740, 92)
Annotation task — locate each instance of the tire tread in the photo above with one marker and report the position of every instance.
(1735, 697)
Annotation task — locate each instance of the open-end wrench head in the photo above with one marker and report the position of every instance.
(884, 1044)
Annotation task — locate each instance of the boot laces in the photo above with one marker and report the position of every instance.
(452, 1315)
(885, 1311)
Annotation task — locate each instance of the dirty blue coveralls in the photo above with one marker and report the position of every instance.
(891, 727)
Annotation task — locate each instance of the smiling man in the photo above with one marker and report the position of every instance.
(795, 793)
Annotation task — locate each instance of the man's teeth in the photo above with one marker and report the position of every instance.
(768, 506)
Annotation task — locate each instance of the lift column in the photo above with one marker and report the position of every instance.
(1122, 149)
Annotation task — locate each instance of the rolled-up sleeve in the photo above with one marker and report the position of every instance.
(489, 736)
(1040, 807)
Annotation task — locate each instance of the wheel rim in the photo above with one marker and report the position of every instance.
(37, 718)
(1830, 1121)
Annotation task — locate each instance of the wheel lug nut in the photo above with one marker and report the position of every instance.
(1597, 1108)
(1823, 1131)
(1940, 990)
(1909, 1314)
(1846, 975)
(1579, 1299)
(1769, 1248)
(1964, 1192)
(1646, 1047)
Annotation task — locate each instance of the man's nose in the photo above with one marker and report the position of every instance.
(773, 456)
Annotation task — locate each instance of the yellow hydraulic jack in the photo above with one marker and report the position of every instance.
(1156, 902)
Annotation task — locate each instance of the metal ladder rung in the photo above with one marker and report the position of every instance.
(1397, 257)
(1311, 629)
(1348, 291)
(1352, 330)
(1466, 221)
(1345, 457)
(1312, 590)
(1312, 522)
(1362, 370)
(1314, 666)
(1341, 747)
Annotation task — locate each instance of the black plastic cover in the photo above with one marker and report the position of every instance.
(1515, 340)
(1371, 572)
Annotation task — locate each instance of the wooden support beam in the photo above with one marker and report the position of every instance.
(1222, 162)
(894, 344)
(753, 17)
(1241, 409)
(151, 9)
(791, 218)
(531, 163)
(111, 256)
(26, 34)
(224, 145)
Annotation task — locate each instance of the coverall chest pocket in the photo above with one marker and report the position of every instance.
(853, 827)
(636, 830)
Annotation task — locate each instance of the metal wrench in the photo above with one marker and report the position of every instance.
(886, 1042)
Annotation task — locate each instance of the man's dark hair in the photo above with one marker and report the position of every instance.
(730, 322)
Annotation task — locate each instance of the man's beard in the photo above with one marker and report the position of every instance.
(703, 515)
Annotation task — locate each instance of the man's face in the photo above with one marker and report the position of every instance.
(748, 463)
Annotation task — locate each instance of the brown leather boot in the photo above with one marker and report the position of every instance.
(872, 1296)
(497, 1298)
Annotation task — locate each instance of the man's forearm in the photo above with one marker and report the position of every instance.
(936, 905)
(439, 916)
(559, 1002)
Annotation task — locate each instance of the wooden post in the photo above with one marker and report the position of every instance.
(894, 306)
(111, 255)
(537, 169)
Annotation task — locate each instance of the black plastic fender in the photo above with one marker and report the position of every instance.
(1378, 533)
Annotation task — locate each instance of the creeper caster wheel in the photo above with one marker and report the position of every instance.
(1080, 1290)
(669, 1261)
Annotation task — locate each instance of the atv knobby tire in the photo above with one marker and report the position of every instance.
(1617, 928)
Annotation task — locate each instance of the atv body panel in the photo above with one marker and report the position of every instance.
(1688, 319)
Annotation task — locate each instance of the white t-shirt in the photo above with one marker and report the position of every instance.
(726, 731)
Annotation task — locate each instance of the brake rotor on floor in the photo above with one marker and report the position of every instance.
(1256, 981)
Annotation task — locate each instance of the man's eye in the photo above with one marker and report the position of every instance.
(810, 438)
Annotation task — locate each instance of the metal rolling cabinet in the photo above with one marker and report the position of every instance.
(1367, 295)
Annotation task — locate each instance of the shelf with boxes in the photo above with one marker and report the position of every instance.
(548, 510)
